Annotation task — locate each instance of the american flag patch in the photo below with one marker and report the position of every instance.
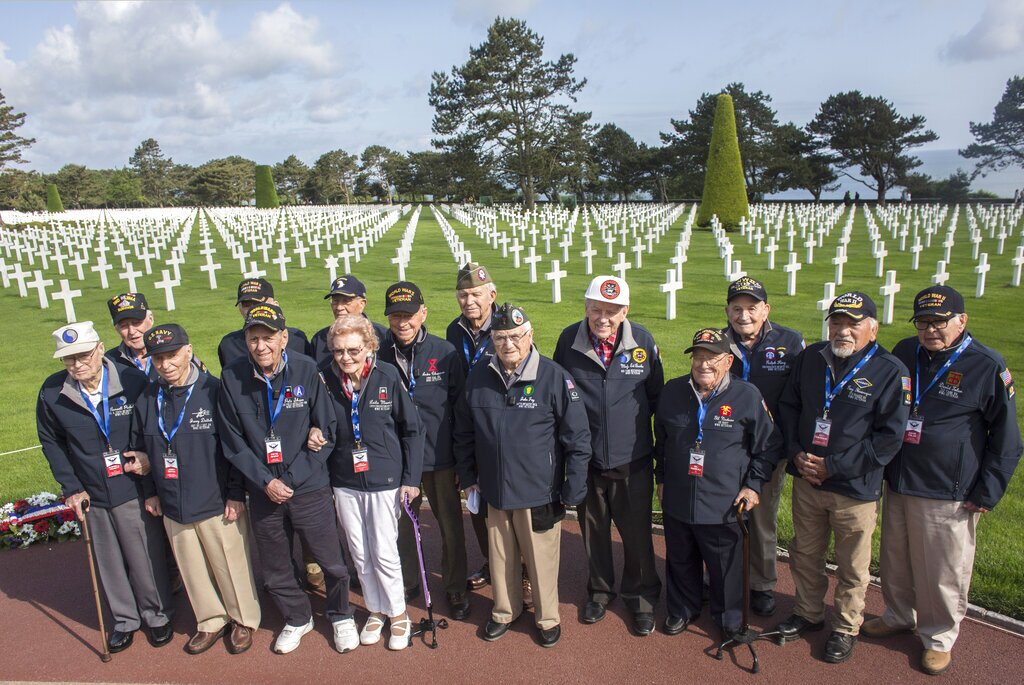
(1007, 378)
(906, 383)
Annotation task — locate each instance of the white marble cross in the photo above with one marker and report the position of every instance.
(301, 250)
(638, 252)
(555, 276)
(40, 284)
(211, 270)
(839, 260)
(736, 271)
(791, 268)
(167, 285)
(254, 271)
(621, 266)
(916, 250)
(515, 249)
(346, 256)
(588, 258)
(532, 259)
(941, 275)
(981, 269)
(331, 264)
(823, 304)
(130, 274)
(880, 254)
(888, 292)
(771, 250)
(1017, 262)
(670, 287)
(281, 260)
(18, 275)
(809, 244)
(67, 295)
(78, 262)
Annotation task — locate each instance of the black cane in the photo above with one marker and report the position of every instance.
(105, 655)
(744, 636)
(427, 624)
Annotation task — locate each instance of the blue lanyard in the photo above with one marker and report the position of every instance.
(702, 410)
(412, 368)
(104, 420)
(144, 368)
(479, 351)
(949, 362)
(831, 394)
(356, 434)
(743, 358)
(276, 411)
(181, 415)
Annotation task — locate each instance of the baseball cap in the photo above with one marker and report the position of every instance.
(855, 304)
(403, 296)
(610, 289)
(75, 338)
(165, 338)
(747, 286)
(268, 315)
(254, 289)
(508, 317)
(471, 276)
(940, 301)
(346, 285)
(127, 306)
(709, 339)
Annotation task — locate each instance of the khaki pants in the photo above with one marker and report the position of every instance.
(817, 514)
(927, 559)
(215, 563)
(764, 540)
(510, 538)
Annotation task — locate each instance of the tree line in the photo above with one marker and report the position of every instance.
(506, 128)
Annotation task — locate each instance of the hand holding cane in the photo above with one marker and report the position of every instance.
(105, 655)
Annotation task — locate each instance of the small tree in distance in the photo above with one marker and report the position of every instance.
(53, 203)
(725, 191)
(266, 193)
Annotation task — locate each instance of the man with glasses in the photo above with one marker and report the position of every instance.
(347, 296)
(960, 449)
(522, 444)
(84, 416)
(617, 367)
(842, 413)
(251, 292)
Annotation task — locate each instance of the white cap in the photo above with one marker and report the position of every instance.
(610, 289)
(75, 338)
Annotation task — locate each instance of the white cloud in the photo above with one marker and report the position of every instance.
(998, 33)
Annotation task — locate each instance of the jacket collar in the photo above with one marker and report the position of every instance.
(70, 389)
(624, 342)
(734, 339)
(526, 371)
(720, 389)
(485, 329)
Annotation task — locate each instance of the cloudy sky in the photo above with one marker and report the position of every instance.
(269, 79)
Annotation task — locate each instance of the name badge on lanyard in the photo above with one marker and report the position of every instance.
(823, 424)
(696, 466)
(113, 463)
(170, 458)
(915, 426)
(822, 430)
(696, 461)
(360, 460)
(275, 455)
(360, 455)
(171, 466)
(915, 423)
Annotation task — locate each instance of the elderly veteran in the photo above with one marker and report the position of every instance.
(430, 369)
(763, 354)
(375, 465)
(200, 495)
(960, 449)
(617, 368)
(132, 317)
(271, 405)
(522, 444)
(842, 413)
(470, 334)
(717, 446)
(251, 292)
(84, 416)
(347, 296)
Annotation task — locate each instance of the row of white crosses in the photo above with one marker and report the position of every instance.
(404, 250)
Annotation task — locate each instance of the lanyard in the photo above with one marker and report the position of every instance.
(949, 362)
(177, 422)
(479, 351)
(143, 367)
(412, 368)
(350, 390)
(102, 420)
(702, 410)
(276, 411)
(356, 434)
(831, 394)
(743, 358)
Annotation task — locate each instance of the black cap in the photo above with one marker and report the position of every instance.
(268, 315)
(254, 290)
(166, 337)
(403, 296)
(346, 285)
(747, 286)
(127, 306)
(508, 317)
(709, 339)
(939, 301)
(856, 305)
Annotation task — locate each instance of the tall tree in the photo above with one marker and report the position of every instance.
(869, 134)
(332, 178)
(377, 166)
(1000, 143)
(618, 158)
(229, 181)
(800, 160)
(11, 144)
(290, 177)
(24, 191)
(152, 167)
(506, 100)
(71, 181)
(124, 189)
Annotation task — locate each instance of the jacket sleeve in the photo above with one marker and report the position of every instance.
(876, 450)
(137, 442)
(236, 449)
(790, 406)
(656, 380)
(765, 445)
(660, 440)
(410, 434)
(456, 378)
(321, 414)
(1003, 447)
(55, 448)
(574, 435)
(464, 441)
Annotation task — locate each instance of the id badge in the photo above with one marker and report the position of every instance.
(171, 466)
(696, 462)
(112, 462)
(822, 429)
(915, 426)
(274, 453)
(360, 460)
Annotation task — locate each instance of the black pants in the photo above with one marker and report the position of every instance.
(687, 548)
(311, 515)
(627, 502)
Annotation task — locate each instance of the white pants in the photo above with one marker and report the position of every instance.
(370, 522)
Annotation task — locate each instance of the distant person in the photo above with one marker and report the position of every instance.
(347, 296)
(251, 292)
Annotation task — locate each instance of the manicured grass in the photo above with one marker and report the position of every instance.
(208, 315)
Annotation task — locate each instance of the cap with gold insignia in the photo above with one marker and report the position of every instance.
(166, 337)
(709, 339)
(127, 306)
(939, 301)
(471, 276)
(403, 296)
(610, 289)
(508, 317)
(346, 285)
(747, 286)
(75, 338)
(254, 290)
(267, 315)
(855, 304)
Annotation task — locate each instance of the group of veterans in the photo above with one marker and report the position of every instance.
(314, 449)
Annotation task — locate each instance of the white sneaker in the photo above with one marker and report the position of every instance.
(346, 637)
(372, 630)
(404, 638)
(290, 636)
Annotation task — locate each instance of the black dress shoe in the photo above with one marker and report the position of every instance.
(839, 647)
(592, 612)
(480, 578)
(796, 625)
(119, 641)
(160, 636)
(493, 630)
(459, 605)
(675, 625)
(643, 623)
(762, 602)
(550, 637)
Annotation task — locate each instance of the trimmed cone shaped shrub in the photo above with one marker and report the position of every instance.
(725, 190)
(266, 193)
(53, 203)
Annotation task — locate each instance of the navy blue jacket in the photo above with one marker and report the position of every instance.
(319, 350)
(770, 362)
(461, 339)
(971, 443)
(232, 346)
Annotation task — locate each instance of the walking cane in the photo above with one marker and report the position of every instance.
(745, 636)
(105, 656)
(428, 624)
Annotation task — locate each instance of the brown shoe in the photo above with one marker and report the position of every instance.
(876, 627)
(201, 641)
(480, 578)
(935, 662)
(527, 591)
(240, 639)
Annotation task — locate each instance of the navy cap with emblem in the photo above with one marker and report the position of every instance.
(939, 301)
(346, 285)
(747, 286)
(508, 317)
(854, 304)
(254, 290)
(166, 337)
(268, 315)
(403, 296)
(127, 306)
(708, 339)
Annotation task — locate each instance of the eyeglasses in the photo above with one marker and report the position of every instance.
(81, 358)
(708, 361)
(505, 339)
(351, 352)
(924, 325)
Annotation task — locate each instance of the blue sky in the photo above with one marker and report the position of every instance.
(269, 79)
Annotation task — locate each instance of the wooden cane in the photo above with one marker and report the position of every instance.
(105, 655)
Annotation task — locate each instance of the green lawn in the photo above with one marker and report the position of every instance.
(208, 315)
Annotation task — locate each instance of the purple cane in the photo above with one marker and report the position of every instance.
(427, 624)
